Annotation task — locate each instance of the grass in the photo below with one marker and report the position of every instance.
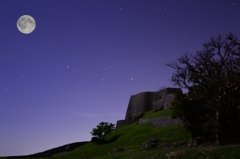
(130, 137)
(152, 114)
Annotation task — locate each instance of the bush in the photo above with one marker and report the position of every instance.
(101, 131)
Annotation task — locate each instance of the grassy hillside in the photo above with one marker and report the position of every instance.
(152, 114)
(130, 138)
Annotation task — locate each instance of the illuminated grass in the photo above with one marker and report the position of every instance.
(161, 113)
(130, 138)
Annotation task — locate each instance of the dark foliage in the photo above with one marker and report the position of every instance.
(194, 114)
(97, 140)
(101, 131)
(212, 77)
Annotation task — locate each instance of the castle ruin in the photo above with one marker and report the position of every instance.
(146, 101)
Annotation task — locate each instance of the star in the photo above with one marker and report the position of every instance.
(68, 66)
(132, 79)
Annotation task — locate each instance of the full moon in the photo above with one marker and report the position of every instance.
(26, 24)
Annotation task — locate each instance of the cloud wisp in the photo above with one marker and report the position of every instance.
(116, 114)
(92, 115)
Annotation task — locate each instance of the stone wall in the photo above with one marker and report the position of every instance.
(168, 100)
(161, 122)
(145, 101)
(123, 122)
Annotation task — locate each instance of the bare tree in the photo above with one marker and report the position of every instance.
(216, 70)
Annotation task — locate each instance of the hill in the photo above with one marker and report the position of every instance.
(129, 138)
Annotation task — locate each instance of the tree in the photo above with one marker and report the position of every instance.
(101, 131)
(212, 76)
(191, 112)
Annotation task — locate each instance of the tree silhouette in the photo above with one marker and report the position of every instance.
(212, 76)
(101, 131)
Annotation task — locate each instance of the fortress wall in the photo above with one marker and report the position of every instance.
(158, 99)
(145, 101)
(138, 103)
(168, 100)
(123, 122)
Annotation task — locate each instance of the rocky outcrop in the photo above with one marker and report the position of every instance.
(196, 142)
(115, 150)
(150, 144)
(145, 101)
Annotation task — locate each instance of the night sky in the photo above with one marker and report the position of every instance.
(87, 57)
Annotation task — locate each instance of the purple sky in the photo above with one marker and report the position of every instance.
(87, 57)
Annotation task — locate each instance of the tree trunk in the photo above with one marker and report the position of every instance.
(218, 135)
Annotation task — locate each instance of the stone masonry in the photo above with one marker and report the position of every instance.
(145, 101)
